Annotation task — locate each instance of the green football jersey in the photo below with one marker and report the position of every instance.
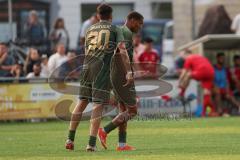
(100, 44)
(102, 38)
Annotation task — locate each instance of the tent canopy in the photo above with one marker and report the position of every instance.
(217, 41)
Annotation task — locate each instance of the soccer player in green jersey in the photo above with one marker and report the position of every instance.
(125, 94)
(101, 41)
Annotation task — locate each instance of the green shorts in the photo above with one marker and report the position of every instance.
(95, 85)
(92, 94)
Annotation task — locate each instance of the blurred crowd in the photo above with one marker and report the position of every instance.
(40, 65)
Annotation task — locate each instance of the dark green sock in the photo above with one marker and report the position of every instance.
(71, 135)
(122, 137)
(109, 127)
(92, 141)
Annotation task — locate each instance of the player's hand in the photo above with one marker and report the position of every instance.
(141, 74)
(130, 79)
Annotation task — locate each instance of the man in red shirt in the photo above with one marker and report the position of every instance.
(149, 58)
(198, 68)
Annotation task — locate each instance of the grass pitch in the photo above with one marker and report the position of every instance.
(198, 139)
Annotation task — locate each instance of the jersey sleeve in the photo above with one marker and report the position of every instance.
(120, 37)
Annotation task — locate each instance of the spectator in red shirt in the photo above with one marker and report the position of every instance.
(149, 58)
(198, 68)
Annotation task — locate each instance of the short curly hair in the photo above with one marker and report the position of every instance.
(104, 11)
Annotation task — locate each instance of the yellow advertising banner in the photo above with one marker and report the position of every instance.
(23, 101)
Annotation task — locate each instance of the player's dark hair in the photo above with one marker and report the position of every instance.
(135, 15)
(104, 11)
(220, 54)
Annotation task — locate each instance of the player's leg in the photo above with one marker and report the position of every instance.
(217, 99)
(94, 126)
(207, 102)
(75, 119)
(184, 78)
(122, 132)
(184, 82)
(122, 129)
(207, 85)
(121, 118)
(127, 95)
(100, 97)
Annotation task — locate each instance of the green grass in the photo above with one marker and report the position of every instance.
(198, 139)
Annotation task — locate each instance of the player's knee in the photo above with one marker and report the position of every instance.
(188, 74)
(122, 107)
(80, 107)
(122, 127)
(132, 111)
(122, 117)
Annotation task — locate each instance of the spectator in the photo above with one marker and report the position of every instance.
(199, 68)
(17, 70)
(32, 58)
(69, 70)
(36, 72)
(57, 59)
(138, 47)
(35, 32)
(235, 74)
(7, 62)
(149, 57)
(216, 21)
(44, 66)
(149, 54)
(236, 24)
(221, 86)
(86, 24)
(59, 34)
